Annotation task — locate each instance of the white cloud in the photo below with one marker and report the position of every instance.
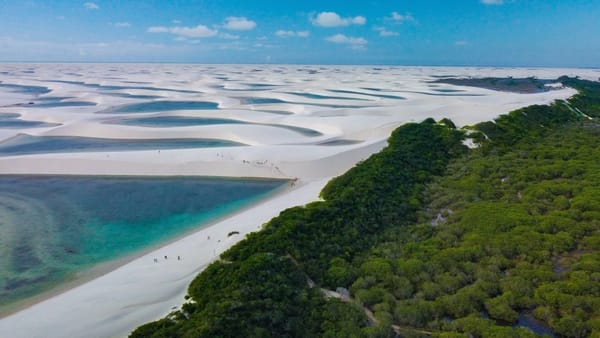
(286, 34)
(176, 22)
(229, 36)
(122, 24)
(199, 31)
(332, 19)
(91, 6)
(239, 23)
(461, 43)
(492, 2)
(348, 40)
(359, 20)
(400, 18)
(384, 32)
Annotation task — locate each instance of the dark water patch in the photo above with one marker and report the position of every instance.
(328, 105)
(527, 320)
(161, 106)
(260, 85)
(444, 90)
(24, 144)
(55, 226)
(174, 121)
(439, 94)
(514, 85)
(278, 112)
(10, 121)
(23, 89)
(259, 100)
(395, 97)
(134, 96)
(339, 142)
(58, 103)
(301, 130)
(252, 89)
(114, 87)
(185, 121)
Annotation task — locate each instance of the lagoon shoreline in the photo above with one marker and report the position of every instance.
(114, 302)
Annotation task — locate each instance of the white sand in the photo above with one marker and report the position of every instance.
(142, 290)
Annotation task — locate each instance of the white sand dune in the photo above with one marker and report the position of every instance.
(361, 108)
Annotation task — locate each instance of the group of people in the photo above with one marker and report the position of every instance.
(166, 257)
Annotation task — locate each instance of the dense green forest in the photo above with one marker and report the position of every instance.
(430, 238)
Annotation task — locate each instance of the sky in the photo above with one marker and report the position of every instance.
(543, 33)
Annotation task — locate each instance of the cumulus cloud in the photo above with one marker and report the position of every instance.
(492, 2)
(356, 42)
(332, 19)
(91, 6)
(384, 32)
(199, 31)
(287, 34)
(400, 18)
(122, 24)
(239, 23)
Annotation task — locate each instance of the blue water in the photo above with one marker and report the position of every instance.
(59, 103)
(111, 87)
(175, 121)
(133, 96)
(259, 100)
(52, 227)
(9, 120)
(22, 89)
(185, 121)
(528, 321)
(339, 142)
(161, 106)
(394, 97)
(23, 144)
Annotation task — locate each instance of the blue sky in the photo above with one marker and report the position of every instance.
(416, 32)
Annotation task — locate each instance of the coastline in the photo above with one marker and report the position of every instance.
(87, 274)
(140, 290)
(140, 293)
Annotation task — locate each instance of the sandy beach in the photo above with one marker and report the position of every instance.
(348, 111)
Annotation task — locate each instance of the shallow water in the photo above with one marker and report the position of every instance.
(22, 89)
(174, 121)
(160, 106)
(528, 321)
(111, 87)
(13, 121)
(187, 121)
(52, 227)
(24, 144)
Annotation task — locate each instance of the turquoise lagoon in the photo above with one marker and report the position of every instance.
(54, 228)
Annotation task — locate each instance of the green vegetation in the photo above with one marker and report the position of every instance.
(429, 238)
